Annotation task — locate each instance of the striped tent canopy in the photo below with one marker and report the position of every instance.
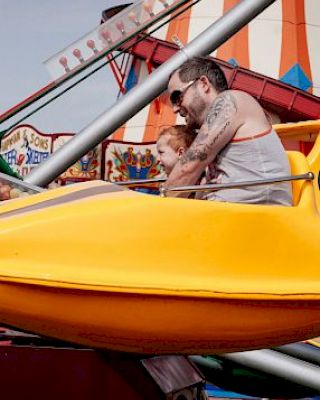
(281, 43)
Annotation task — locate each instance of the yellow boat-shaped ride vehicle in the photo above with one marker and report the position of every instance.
(110, 268)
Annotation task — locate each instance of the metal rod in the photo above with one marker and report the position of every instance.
(281, 365)
(301, 350)
(206, 362)
(235, 185)
(58, 82)
(143, 94)
(140, 182)
(19, 184)
(113, 57)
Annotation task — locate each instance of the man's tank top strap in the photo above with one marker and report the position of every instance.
(258, 135)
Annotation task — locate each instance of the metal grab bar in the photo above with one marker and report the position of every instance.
(309, 176)
(19, 184)
(140, 182)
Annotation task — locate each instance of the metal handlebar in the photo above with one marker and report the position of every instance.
(140, 182)
(309, 176)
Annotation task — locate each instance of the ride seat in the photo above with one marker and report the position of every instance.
(299, 165)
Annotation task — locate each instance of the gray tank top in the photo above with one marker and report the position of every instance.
(260, 156)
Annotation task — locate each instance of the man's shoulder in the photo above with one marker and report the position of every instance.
(238, 94)
(243, 100)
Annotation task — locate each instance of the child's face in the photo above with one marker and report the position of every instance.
(168, 157)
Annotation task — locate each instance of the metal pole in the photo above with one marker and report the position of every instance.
(281, 365)
(301, 350)
(213, 187)
(141, 95)
(141, 181)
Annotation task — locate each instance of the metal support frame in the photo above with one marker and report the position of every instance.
(281, 365)
(141, 95)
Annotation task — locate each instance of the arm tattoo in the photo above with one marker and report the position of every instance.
(220, 114)
(193, 155)
(221, 110)
(218, 119)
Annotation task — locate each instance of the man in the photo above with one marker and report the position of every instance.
(235, 141)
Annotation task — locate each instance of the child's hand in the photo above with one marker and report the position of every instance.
(202, 181)
(4, 191)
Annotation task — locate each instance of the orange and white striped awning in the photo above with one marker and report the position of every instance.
(282, 43)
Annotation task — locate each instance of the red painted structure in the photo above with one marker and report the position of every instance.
(32, 367)
(289, 103)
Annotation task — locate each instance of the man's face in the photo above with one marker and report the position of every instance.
(186, 100)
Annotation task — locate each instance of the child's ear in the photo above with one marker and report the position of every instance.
(180, 151)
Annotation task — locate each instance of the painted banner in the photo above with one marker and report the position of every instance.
(130, 161)
(24, 148)
(87, 168)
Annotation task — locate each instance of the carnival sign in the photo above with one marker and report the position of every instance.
(87, 168)
(130, 161)
(24, 148)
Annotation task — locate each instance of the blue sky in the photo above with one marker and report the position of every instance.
(33, 30)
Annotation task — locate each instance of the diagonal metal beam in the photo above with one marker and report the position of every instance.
(281, 365)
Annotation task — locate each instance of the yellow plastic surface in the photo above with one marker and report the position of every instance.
(307, 131)
(106, 267)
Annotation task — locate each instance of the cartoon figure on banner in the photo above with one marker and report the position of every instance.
(86, 167)
(133, 165)
(87, 160)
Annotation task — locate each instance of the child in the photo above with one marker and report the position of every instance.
(172, 143)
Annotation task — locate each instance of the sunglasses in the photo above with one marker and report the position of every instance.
(176, 97)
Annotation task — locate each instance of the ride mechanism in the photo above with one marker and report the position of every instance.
(141, 56)
(296, 295)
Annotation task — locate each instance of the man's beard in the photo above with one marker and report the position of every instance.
(194, 120)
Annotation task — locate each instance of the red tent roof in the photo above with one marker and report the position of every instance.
(290, 103)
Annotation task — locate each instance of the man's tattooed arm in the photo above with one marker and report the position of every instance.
(220, 116)
(218, 120)
(222, 109)
(217, 130)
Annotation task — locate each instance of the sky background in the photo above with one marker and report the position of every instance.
(31, 31)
